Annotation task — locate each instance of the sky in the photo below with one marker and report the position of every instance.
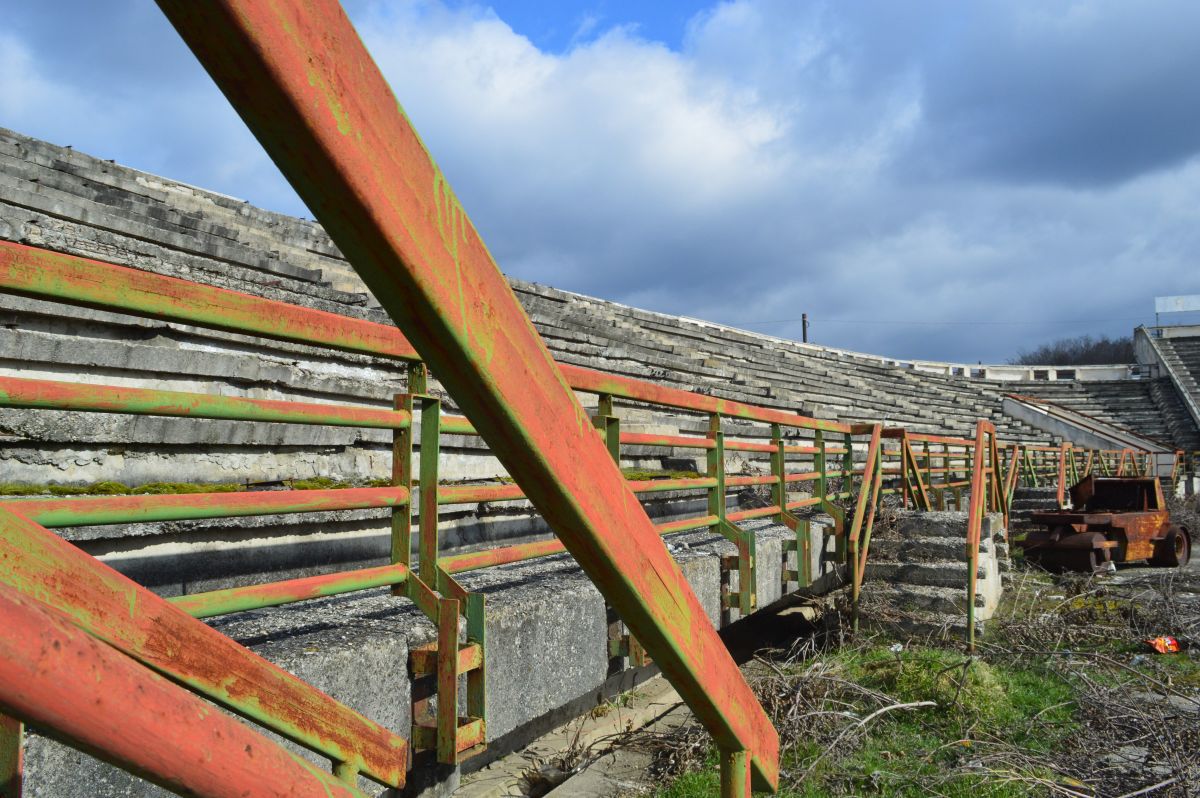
(927, 179)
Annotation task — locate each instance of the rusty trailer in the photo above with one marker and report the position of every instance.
(1111, 520)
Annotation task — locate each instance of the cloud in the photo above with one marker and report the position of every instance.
(1086, 94)
(869, 164)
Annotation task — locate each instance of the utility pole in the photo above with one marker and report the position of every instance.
(804, 327)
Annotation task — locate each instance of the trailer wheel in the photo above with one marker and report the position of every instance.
(1174, 550)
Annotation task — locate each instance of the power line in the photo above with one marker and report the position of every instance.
(1026, 322)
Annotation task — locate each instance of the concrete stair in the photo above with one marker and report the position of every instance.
(1182, 354)
(1026, 502)
(1148, 407)
(916, 576)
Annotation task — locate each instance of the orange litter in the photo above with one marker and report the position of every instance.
(1164, 645)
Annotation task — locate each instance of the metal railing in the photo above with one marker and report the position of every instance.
(810, 465)
(794, 461)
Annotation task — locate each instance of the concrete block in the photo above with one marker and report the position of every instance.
(547, 639)
(354, 648)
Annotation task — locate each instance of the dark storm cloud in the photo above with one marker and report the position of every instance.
(1087, 94)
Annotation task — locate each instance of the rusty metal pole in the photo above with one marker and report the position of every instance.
(1062, 474)
(975, 512)
(307, 88)
(12, 750)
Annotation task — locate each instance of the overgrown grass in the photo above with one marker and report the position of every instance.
(867, 720)
(109, 488)
(651, 473)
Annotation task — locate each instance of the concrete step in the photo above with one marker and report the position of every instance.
(937, 626)
(922, 598)
(1032, 505)
(922, 550)
(1035, 493)
(946, 524)
(940, 574)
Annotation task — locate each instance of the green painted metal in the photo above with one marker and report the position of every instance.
(72, 687)
(55, 395)
(915, 486)
(431, 442)
(447, 674)
(97, 510)
(746, 599)
(859, 537)
(254, 597)
(660, 485)
(443, 731)
(402, 476)
(43, 274)
(12, 751)
(306, 86)
(735, 774)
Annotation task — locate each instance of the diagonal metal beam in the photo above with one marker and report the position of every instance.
(306, 86)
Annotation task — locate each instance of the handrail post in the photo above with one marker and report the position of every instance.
(819, 466)
(848, 465)
(609, 426)
(1062, 474)
(735, 774)
(402, 474)
(864, 513)
(1010, 486)
(802, 574)
(12, 756)
(747, 598)
(928, 467)
(911, 469)
(427, 520)
(716, 467)
(778, 464)
(974, 526)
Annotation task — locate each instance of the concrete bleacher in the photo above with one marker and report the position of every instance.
(65, 200)
(1148, 407)
(1183, 354)
(761, 369)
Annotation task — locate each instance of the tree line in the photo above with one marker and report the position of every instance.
(1082, 350)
